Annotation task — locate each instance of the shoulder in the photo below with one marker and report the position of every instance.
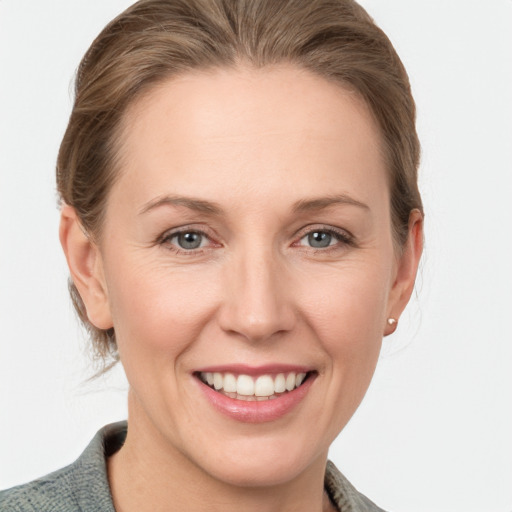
(344, 495)
(81, 486)
(53, 492)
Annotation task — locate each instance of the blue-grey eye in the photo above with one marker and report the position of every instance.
(320, 239)
(189, 240)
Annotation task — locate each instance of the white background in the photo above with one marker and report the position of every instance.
(434, 432)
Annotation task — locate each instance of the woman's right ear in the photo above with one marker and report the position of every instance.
(86, 267)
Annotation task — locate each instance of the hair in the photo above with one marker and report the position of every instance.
(154, 40)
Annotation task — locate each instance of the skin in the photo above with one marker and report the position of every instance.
(258, 144)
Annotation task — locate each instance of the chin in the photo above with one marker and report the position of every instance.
(266, 460)
(264, 470)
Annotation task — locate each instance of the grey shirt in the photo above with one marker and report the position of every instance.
(83, 486)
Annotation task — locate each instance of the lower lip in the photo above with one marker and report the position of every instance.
(257, 411)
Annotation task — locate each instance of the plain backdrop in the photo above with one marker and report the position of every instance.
(434, 432)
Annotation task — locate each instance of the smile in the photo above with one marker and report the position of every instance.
(253, 388)
(255, 395)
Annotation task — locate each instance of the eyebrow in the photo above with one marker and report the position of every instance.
(321, 203)
(200, 205)
(191, 203)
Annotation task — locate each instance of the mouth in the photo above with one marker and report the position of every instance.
(254, 388)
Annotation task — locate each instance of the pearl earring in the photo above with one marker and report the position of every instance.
(392, 322)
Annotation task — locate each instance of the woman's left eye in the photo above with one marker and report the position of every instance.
(323, 238)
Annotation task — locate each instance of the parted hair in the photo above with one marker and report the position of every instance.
(154, 40)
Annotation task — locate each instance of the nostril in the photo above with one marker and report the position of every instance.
(257, 330)
(256, 306)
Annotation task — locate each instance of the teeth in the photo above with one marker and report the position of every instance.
(290, 381)
(245, 387)
(298, 380)
(264, 386)
(230, 385)
(217, 381)
(280, 383)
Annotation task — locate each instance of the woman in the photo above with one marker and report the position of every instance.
(242, 225)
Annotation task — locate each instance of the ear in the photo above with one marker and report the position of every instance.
(406, 270)
(86, 268)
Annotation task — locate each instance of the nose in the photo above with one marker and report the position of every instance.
(257, 301)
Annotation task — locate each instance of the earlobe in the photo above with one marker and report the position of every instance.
(86, 268)
(407, 269)
(392, 324)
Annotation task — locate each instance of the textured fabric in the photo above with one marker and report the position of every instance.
(83, 485)
(79, 487)
(344, 495)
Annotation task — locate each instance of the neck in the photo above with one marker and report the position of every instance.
(147, 474)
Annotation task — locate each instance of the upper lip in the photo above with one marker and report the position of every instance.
(267, 369)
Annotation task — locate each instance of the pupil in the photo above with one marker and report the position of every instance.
(189, 240)
(319, 239)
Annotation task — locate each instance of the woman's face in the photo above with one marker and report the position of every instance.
(247, 242)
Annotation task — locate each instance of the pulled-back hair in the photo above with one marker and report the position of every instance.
(154, 40)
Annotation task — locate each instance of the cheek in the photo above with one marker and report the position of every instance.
(350, 328)
(347, 311)
(158, 311)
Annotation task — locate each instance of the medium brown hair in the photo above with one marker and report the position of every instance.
(157, 39)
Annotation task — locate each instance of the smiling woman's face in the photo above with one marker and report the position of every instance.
(247, 242)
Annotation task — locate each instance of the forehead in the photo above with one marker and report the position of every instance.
(254, 129)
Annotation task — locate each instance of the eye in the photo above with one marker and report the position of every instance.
(319, 239)
(325, 238)
(187, 240)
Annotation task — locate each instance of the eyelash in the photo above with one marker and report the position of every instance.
(166, 238)
(343, 238)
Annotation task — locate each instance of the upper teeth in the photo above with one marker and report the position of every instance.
(264, 385)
